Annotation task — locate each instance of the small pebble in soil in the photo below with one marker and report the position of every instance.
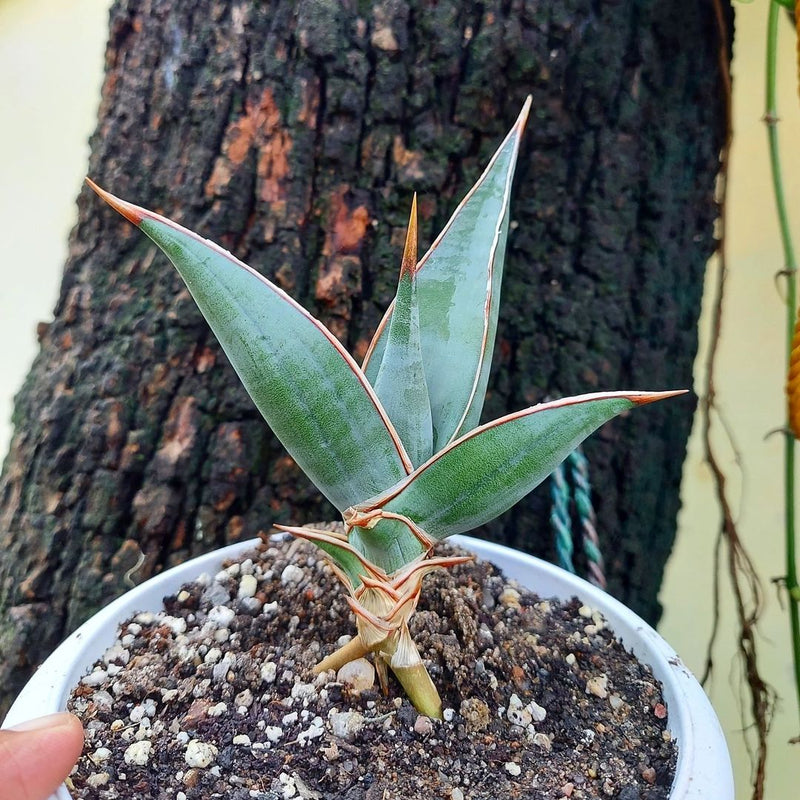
(215, 696)
(475, 713)
(649, 774)
(357, 675)
(542, 740)
(423, 725)
(597, 685)
(98, 779)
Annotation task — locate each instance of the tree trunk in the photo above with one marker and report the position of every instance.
(294, 133)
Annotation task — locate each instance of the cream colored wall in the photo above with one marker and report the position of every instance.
(749, 383)
(51, 58)
(50, 63)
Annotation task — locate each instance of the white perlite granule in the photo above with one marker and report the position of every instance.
(291, 574)
(269, 671)
(138, 753)
(200, 754)
(247, 586)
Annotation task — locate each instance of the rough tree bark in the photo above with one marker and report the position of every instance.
(294, 134)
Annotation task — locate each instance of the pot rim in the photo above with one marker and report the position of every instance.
(703, 766)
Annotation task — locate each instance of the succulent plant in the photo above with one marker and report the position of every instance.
(395, 444)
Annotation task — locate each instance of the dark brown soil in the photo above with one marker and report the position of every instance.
(215, 698)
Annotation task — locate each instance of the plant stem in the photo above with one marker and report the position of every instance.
(790, 270)
(344, 655)
(413, 676)
(420, 689)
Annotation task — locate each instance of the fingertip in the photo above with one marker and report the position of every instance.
(73, 736)
(36, 756)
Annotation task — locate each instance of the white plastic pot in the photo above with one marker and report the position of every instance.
(703, 769)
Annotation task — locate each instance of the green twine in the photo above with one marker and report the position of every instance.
(560, 519)
(564, 497)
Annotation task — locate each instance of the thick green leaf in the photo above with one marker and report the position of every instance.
(400, 383)
(305, 384)
(484, 473)
(458, 284)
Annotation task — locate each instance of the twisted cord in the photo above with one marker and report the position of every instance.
(583, 503)
(560, 520)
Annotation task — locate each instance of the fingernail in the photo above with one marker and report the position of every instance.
(41, 723)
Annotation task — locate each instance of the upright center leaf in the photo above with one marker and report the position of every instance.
(400, 383)
(458, 282)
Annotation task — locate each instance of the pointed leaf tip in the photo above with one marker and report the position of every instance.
(409, 263)
(131, 212)
(643, 398)
(522, 119)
